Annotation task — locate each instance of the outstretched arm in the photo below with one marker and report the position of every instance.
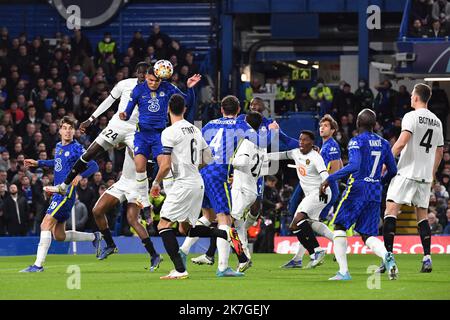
(92, 168)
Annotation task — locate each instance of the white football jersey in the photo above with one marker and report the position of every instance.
(122, 90)
(417, 157)
(247, 162)
(185, 143)
(311, 169)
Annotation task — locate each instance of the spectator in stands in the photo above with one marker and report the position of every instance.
(437, 30)
(15, 208)
(80, 45)
(447, 227)
(105, 47)
(305, 102)
(81, 216)
(138, 44)
(439, 105)
(322, 95)
(271, 205)
(38, 52)
(175, 48)
(345, 102)
(435, 226)
(5, 41)
(385, 102)
(3, 195)
(417, 30)
(403, 102)
(421, 10)
(363, 96)
(285, 97)
(193, 68)
(157, 34)
(441, 12)
(5, 162)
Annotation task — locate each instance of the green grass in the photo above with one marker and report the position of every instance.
(124, 277)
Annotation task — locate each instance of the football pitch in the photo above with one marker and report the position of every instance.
(124, 277)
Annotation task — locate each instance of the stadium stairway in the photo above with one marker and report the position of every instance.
(190, 23)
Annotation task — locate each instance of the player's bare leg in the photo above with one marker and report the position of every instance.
(106, 203)
(425, 237)
(253, 215)
(93, 152)
(305, 234)
(133, 211)
(51, 226)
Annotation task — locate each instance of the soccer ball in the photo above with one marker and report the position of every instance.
(163, 69)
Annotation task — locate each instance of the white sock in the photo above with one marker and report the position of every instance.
(142, 187)
(426, 257)
(340, 250)
(78, 236)
(223, 249)
(64, 186)
(250, 221)
(44, 245)
(322, 229)
(300, 253)
(377, 246)
(188, 241)
(242, 233)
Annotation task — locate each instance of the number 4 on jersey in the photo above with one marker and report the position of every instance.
(427, 144)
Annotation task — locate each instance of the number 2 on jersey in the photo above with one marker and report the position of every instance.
(428, 136)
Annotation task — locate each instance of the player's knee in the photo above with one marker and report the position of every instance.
(183, 229)
(59, 236)
(97, 210)
(132, 219)
(164, 224)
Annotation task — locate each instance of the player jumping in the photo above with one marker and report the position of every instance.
(67, 152)
(184, 149)
(420, 144)
(361, 202)
(152, 98)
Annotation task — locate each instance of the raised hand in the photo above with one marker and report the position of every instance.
(192, 81)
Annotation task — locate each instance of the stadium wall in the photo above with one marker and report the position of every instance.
(402, 245)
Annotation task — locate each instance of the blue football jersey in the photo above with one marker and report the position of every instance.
(65, 158)
(330, 151)
(367, 154)
(222, 136)
(153, 105)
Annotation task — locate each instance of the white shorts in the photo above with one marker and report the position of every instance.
(312, 206)
(116, 133)
(167, 184)
(183, 202)
(411, 192)
(122, 191)
(241, 201)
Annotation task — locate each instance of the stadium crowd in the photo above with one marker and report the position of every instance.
(40, 84)
(429, 19)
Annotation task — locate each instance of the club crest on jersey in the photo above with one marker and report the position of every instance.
(308, 162)
(161, 94)
(66, 154)
(153, 105)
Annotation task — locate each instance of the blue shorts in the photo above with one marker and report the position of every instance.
(364, 214)
(217, 189)
(61, 206)
(148, 142)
